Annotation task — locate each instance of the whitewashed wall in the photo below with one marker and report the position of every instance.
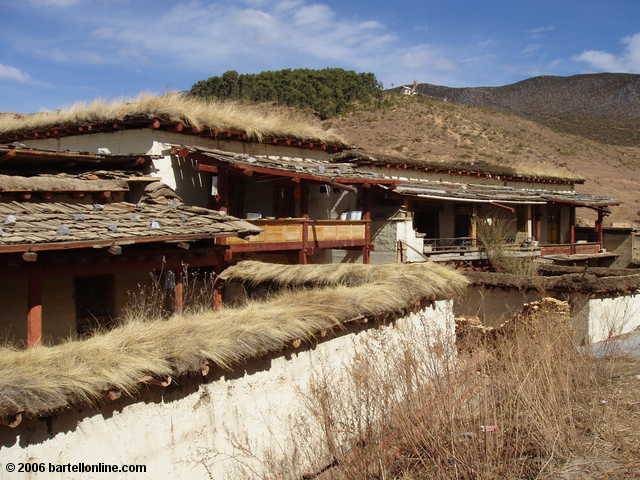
(597, 319)
(180, 174)
(185, 431)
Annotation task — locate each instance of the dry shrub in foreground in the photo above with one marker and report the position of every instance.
(496, 235)
(517, 407)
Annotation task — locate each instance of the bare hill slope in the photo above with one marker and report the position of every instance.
(603, 106)
(421, 127)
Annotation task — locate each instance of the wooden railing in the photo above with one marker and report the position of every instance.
(571, 249)
(440, 247)
(304, 235)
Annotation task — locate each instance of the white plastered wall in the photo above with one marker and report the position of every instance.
(191, 428)
(597, 319)
(180, 174)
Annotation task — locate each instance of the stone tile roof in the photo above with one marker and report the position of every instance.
(29, 225)
(323, 170)
(495, 193)
(55, 183)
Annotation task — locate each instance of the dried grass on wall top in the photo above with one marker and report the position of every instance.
(45, 379)
(444, 281)
(256, 122)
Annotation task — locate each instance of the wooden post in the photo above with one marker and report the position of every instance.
(599, 229)
(539, 224)
(178, 298)
(366, 207)
(529, 211)
(223, 188)
(34, 307)
(572, 222)
(302, 254)
(217, 295)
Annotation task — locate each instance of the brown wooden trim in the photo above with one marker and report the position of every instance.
(39, 247)
(202, 167)
(585, 205)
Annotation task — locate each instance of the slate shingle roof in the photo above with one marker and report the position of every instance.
(496, 193)
(321, 169)
(32, 223)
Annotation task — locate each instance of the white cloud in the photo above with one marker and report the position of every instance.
(54, 3)
(260, 34)
(626, 61)
(540, 32)
(8, 72)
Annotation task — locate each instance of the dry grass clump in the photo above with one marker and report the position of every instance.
(255, 120)
(496, 235)
(444, 281)
(43, 379)
(527, 405)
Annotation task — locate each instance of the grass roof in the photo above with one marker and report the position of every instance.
(44, 379)
(543, 172)
(256, 121)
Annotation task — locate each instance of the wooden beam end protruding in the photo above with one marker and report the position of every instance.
(30, 257)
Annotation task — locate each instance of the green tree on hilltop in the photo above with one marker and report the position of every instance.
(326, 92)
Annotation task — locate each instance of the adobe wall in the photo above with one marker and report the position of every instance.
(492, 305)
(58, 304)
(596, 316)
(207, 430)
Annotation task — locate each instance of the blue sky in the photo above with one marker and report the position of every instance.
(56, 52)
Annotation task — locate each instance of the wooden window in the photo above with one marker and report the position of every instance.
(95, 300)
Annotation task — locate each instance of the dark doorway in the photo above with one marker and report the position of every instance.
(462, 225)
(284, 204)
(426, 220)
(94, 298)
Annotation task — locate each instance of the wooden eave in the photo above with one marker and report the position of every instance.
(39, 247)
(31, 156)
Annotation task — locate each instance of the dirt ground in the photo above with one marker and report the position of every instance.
(618, 457)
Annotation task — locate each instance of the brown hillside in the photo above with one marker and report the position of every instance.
(602, 106)
(420, 127)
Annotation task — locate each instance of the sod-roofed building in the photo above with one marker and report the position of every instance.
(80, 233)
(316, 199)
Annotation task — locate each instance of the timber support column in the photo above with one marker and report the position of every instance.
(303, 259)
(178, 297)
(366, 207)
(572, 222)
(34, 307)
(539, 224)
(529, 212)
(218, 298)
(599, 229)
(223, 189)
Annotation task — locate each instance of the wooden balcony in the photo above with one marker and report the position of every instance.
(571, 249)
(303, 235)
